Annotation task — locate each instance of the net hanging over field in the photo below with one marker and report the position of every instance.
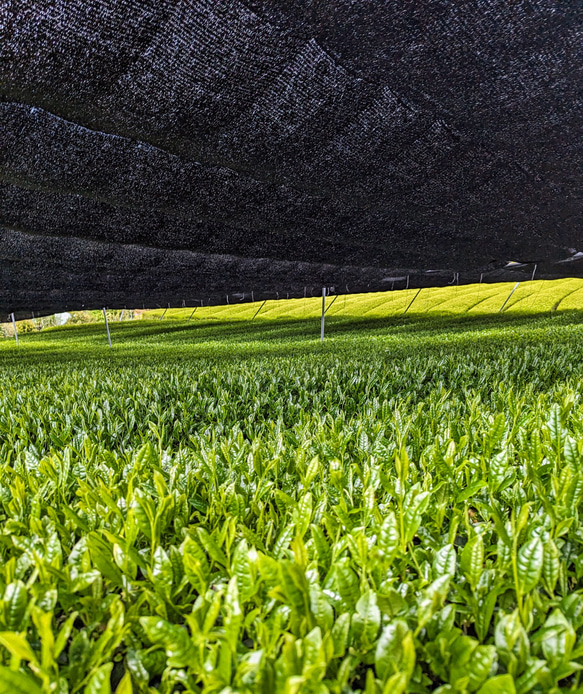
(157, 151)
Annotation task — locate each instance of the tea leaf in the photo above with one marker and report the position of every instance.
(529, 565)
(13, 682)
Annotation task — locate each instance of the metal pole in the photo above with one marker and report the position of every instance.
(534, 272)
(412, 300)
(164, 313)
(15, 330)
(508, 299)
(192, 314)
(107, 326)
(121, 315)
(259, 309)
(323, 314)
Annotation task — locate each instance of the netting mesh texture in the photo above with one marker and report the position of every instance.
(155, 152)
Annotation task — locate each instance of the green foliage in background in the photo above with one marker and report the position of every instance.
(471, 299)
(238, 508)
(535, 297)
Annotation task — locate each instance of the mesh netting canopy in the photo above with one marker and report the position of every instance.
(156, 152)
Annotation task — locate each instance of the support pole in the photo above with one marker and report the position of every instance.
(508, 297)
(412, 300)
(107, 326)
(164, 312)
(15, 330)
(192, 314)
(534, 272)
(259, 309)
(323, 314)
(121, 314)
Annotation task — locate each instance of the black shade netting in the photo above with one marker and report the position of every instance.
(158, 152)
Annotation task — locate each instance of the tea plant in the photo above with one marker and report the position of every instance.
(358, 518)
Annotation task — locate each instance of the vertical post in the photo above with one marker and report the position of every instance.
(534, 272)
(15, 330)
(107, 326)
(323, 314)
(121, 314)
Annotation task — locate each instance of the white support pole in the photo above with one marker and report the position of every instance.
(534, 272)
(15, 330)
(121, 315)
(323, 314)
(107, 326)
(508, 297)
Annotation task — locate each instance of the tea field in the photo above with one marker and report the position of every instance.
(231, 506)
(470, 299)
